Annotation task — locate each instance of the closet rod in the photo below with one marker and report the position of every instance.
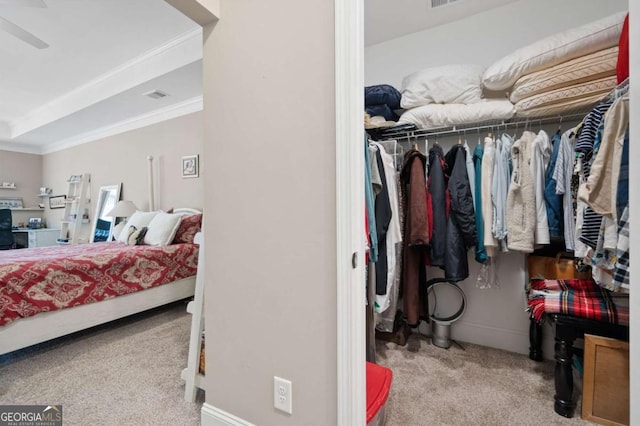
(451, 130)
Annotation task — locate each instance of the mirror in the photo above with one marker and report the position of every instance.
(102, 226)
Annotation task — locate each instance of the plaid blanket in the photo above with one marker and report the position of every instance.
(578, 298)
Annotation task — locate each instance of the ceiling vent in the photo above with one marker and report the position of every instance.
(439, 3)
(156, 94)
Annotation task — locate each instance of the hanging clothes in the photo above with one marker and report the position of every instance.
(437, 206)
(552, 200)
(481, 253)
(489, 153)
(540, 155)
(590, 221)
(393, 236)
(369, 204)
(383, 218)
(521, 203)
(563, 175)
(500, 188)
(601, 186)
(471, 173)
(416, 236)
(621, 273)
(461, 226)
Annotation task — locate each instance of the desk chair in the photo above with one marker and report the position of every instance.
(6, 233)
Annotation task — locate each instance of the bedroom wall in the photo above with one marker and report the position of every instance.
(271, 303)
(26, 171)
(495, 317)
(482, 38)
(123, 158)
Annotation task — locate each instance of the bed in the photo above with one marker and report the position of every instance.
(49, 292)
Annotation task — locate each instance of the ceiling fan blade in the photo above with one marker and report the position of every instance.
(22, 34)
(24, 3)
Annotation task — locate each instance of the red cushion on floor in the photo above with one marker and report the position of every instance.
(378, 385)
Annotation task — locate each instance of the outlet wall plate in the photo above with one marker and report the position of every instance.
(282, 395)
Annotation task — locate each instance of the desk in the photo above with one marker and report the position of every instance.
(36, 237)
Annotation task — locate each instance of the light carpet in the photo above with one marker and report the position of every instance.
(128, 373)
(124, 373)
(471, 386)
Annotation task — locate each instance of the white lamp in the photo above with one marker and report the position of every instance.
(122, 209)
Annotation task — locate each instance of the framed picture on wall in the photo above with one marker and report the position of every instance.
(190, 167)
(57, 202)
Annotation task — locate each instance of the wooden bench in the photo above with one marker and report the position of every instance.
(567, 330)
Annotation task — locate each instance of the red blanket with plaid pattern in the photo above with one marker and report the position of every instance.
(578, 298)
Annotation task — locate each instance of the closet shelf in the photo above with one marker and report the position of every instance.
(493, 125)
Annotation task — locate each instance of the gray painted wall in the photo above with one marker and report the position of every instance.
(270, 210)
(123, 159)
(26, 171)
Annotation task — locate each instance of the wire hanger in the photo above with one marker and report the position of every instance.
(559, 131)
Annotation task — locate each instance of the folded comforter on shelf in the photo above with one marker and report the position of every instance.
(435, 116)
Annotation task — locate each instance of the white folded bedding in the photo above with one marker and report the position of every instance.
(434, 116)
(567, 99)
(552, 50)
(579, 70)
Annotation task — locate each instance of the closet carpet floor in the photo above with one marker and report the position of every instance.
(123, 373)
(471, 386)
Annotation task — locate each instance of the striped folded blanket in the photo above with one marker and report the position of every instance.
(578, 298)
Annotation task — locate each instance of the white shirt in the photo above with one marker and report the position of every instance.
(540, 156)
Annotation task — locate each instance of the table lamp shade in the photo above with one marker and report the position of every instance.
(123, 209)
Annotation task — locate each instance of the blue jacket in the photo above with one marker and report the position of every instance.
(555, 214)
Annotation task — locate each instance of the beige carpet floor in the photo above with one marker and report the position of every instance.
(471, 386)
(125, 373)
(128, 373)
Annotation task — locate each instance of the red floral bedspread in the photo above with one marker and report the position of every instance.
(50, 278)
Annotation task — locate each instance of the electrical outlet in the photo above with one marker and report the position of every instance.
(282, 394)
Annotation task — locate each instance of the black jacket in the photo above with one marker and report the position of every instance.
(437, 187)
(461, 225)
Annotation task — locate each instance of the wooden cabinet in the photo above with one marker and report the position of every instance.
(36, 237)
(605, 395)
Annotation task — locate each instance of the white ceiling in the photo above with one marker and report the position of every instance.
(388, 19)
(103, 56)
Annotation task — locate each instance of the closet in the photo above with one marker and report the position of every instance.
(389, 62)
(491, 310)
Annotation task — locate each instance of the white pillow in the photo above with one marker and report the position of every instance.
(553, 50)
(139, 219)
(450, 84)
(162, 229)
(435, 115)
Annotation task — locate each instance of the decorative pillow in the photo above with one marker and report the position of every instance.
(139, 219)
(162, 229)
(553, 50)
(136, 236)
(450, 84)
(188, 229)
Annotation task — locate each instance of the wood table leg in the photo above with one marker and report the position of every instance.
(564, 405)
(535, 340)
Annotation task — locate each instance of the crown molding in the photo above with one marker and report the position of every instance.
(167, 113)
(19, 147)
(175, 53)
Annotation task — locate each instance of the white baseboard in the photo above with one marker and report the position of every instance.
(212, 416)
(501, 338)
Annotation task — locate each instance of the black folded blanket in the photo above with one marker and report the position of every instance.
(382, 99)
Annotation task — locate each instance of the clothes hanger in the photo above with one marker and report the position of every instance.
(559, 131)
